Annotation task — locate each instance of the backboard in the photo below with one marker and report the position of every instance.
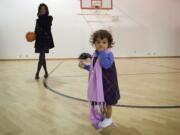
(96, 4)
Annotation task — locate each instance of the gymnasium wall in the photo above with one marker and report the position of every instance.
(157, 28)
(144, 28)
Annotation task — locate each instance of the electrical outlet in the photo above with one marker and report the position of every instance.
(20, 56)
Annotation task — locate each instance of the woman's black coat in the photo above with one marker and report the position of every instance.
(44, 39)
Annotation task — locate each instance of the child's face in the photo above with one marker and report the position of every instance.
(101, 44)
(42, 10)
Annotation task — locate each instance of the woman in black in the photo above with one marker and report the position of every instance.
(44, 39)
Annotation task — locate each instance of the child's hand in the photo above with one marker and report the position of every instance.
(81, 64)
(101, 49)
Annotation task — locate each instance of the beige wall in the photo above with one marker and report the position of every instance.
(157, 24)
(145, 28)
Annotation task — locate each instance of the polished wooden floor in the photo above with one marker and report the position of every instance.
(28, 108)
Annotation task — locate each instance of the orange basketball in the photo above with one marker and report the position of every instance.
(30, 36)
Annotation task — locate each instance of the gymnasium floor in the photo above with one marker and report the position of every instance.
(28, 108)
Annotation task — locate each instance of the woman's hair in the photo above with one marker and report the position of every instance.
(46, 7)
(102, 34)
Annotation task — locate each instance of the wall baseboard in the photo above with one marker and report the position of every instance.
(76, 58)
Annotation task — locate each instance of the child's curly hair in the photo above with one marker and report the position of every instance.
(102, 34)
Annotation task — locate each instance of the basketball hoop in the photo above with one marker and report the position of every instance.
(96, 4)
(97, 13)
(97, 7)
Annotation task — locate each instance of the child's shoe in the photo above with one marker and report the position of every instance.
(105, 123)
